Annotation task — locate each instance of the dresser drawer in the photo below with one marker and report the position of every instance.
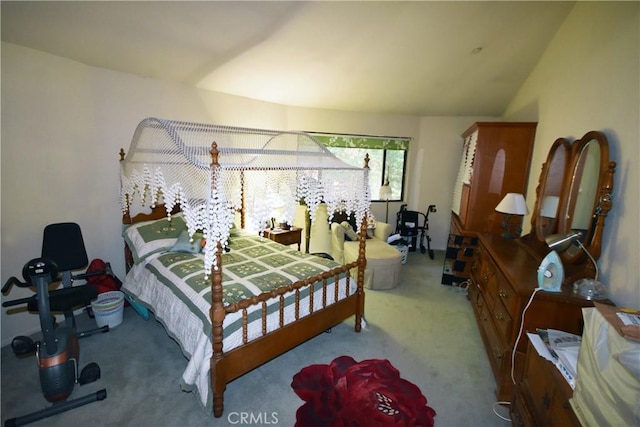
(478, 260)
(290, 238)
(490, 281)
(520, 416)
(483, 271)
(508, 296)
(545, 393)
(474, 294)
(495, 346)
(503, 321)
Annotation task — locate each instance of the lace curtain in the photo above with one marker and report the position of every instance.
(172, 161)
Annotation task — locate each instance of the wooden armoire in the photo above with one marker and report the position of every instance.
(496, 160)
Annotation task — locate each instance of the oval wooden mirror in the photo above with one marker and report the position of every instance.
(550, 189)
(588, 194)
(573, 194)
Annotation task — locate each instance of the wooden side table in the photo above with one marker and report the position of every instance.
(285, 237)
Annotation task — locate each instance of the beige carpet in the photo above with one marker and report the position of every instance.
(425, 329)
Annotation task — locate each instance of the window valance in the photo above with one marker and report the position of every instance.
(359, 141)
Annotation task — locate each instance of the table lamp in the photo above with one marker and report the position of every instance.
(512, 204)
(385, 194)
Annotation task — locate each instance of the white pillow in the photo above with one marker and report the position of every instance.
(349, 231)
(149, 237)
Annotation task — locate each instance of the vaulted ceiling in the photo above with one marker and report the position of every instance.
(424, 58)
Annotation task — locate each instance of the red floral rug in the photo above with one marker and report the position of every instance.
(367, 393)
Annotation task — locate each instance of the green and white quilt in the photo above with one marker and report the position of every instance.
(172, 285)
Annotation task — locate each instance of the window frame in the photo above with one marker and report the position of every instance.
(371, 142)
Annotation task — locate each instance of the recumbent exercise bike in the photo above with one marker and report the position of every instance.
(58, 352)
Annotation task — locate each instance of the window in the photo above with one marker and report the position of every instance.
(388, 158)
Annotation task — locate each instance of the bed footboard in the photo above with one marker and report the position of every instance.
(322, 315)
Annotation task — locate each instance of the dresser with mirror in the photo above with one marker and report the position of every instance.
(573, 194)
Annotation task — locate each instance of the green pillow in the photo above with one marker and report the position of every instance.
(186, 243)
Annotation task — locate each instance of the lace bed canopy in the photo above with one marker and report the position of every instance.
(213, 171)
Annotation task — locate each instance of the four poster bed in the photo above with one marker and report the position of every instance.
(241, 299)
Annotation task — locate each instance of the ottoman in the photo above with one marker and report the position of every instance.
(383, 263)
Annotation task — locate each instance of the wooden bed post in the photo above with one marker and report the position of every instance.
(307, 231)
(217, 313)
(362, 264)
(126, 216)
(242, 208)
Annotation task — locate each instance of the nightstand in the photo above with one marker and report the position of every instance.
(285, 237)
(541, 398)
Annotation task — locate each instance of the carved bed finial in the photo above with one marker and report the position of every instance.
(214, 154)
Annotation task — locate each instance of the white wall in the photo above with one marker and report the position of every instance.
(63, 124)
(588, 79)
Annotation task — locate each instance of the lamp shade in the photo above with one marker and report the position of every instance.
(513, 203)
(385, 192)
(550, 207)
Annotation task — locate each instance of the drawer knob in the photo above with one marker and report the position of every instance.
(497, 354)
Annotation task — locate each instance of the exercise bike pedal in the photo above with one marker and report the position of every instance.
(89, 374)
(23, 346)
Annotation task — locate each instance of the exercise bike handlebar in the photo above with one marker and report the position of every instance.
(13, 281)
(18, 301)
(7, 287)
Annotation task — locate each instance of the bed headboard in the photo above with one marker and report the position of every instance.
(157, 212)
